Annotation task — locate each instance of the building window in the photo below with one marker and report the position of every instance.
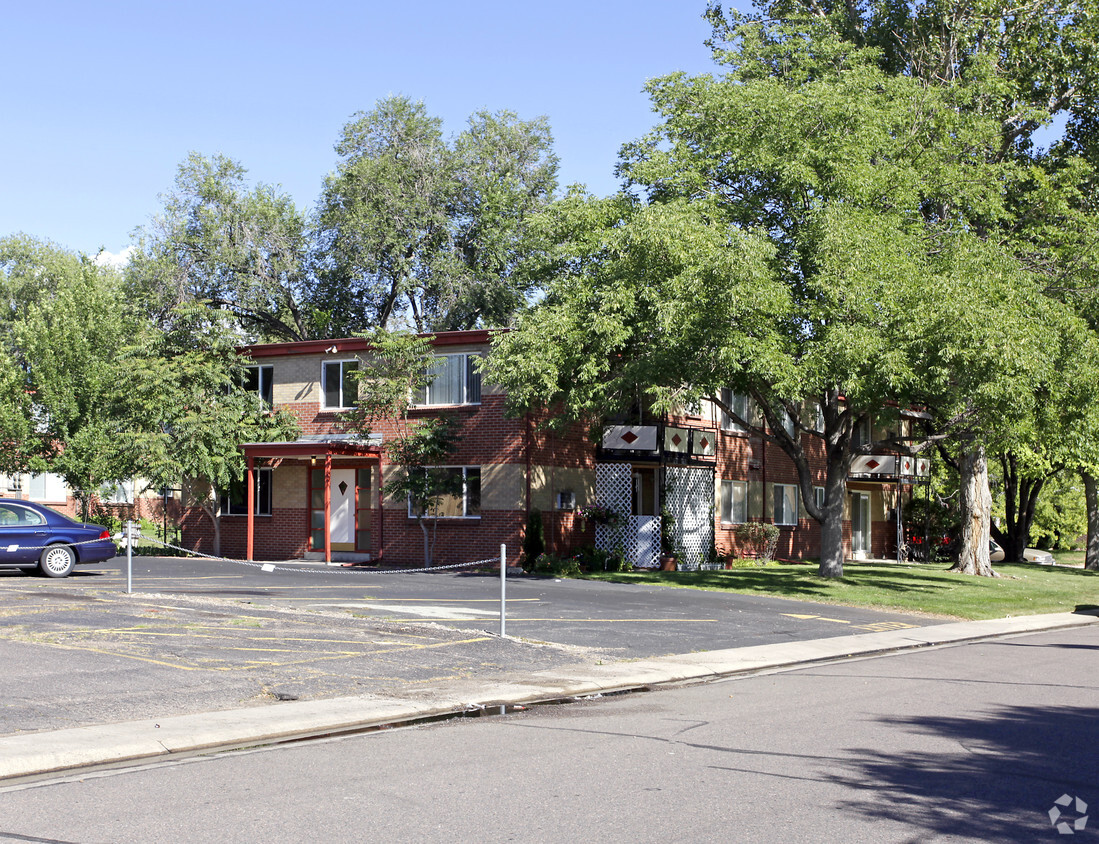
(738, 403)
(46, 487)
(234, 501)
(861, 433)
(120, 493)
(786, 504)
(786, 420)
(818, 496)
(734, 502)
(260, 380)
(464, 503)
(339, 385)
(454, 380)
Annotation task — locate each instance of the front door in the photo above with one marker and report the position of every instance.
(341, 523)
(860, 525)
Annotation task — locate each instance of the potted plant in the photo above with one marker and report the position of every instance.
(667, 542)
(598, 514)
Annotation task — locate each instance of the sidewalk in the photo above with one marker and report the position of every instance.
(35, 755)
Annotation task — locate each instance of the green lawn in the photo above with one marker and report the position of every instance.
(1022, 589)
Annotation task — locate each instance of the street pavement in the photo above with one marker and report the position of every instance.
(209, 655)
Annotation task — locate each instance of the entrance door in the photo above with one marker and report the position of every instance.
(341, 524)
(860, 525)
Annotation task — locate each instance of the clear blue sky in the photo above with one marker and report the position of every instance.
(103, 100)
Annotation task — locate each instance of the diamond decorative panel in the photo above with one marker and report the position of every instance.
(675, 440)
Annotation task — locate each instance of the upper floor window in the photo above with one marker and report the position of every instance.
(260, 380)
(861, 433)
(454, 380)
(787, 421)
(786, 504)
(339, 386)
(734, 502)
(738, 403)
(46, 487)
(234, 501)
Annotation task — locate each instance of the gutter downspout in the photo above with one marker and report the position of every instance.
(250, 483)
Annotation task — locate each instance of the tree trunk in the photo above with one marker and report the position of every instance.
(831, 526)
(1020, 501)
(1091, 496)
(427, 542)
(976, 504)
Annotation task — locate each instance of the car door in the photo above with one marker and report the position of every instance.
(22, 534)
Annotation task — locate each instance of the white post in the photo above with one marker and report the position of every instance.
(129, 556)
(503, 587)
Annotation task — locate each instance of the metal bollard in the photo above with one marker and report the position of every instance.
(129, 557)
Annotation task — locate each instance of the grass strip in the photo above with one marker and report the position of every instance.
(1022, 589)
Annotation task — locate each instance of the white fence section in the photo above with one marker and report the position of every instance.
(645, 549)
(689, 500)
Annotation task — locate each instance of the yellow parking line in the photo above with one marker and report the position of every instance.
(255, 664)
(816, 617)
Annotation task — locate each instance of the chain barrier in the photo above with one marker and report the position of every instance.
(57, 542)
(270, 567)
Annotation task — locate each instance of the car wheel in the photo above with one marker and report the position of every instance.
(57, 561)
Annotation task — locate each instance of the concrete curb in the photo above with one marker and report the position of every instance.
(36, 755)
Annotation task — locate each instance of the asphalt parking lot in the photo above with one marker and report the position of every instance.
(197, 635)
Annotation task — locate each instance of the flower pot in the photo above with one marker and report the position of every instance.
(667, 563)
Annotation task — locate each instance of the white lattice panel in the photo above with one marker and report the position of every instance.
(614, 490)
(690, 503)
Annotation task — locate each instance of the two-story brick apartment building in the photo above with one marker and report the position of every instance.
(321, 496)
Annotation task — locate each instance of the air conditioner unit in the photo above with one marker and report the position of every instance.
(566, 501)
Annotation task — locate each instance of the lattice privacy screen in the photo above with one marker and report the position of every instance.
(637, 536)
(689, 500)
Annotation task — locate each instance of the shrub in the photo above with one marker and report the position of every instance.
(534, 540)
(760, 537)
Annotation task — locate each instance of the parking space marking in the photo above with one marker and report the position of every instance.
(323, 655)
(875, 626)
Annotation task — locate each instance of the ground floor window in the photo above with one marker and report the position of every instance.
(734, 502)
(786, 504)
(461, 492)
(234, 501)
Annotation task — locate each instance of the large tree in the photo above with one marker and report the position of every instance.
(236, 248)
(419, 231)
(188, 409)
(803, 237)
(1032, 67)
(64, 341)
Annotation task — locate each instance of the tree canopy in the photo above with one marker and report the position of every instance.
(413, 230)
(808, 228)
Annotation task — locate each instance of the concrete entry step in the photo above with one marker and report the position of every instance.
(339, 557)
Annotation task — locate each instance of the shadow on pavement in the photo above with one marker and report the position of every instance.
(1011, 767)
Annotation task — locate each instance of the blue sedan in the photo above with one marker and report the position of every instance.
(33, 536)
